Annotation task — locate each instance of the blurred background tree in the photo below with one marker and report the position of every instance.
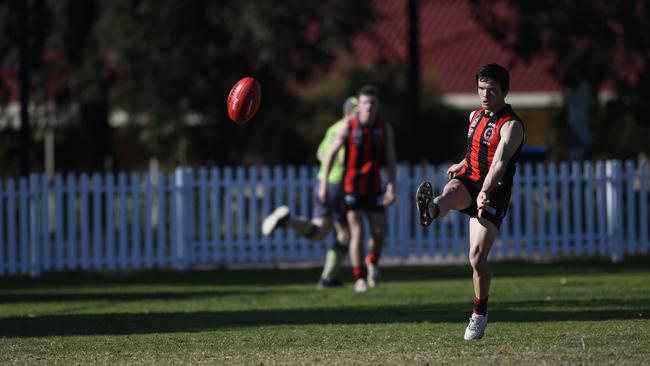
(168, 66)
(68, 86)
(39, 20)
(178, 60)
(115, 83)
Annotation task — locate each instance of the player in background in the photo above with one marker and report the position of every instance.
(325, 214)
(481, 183)
(368, 143)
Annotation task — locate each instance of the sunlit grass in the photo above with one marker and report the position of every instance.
(567, 313)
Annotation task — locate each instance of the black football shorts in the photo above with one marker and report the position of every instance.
(499, 198)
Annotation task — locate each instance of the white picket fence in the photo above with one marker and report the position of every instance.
(212, 217)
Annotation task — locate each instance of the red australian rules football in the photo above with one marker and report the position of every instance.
(244, 100)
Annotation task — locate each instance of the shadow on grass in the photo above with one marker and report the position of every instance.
(148, 323)
(123, 296)
(222, 277)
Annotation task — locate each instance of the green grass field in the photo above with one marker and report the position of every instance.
(593, 313)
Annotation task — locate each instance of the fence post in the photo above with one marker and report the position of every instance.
(35, 211)
(184, 218)
(24, 222)
(614, 210)
(402, 208)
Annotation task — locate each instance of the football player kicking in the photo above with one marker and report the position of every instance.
(481, 183)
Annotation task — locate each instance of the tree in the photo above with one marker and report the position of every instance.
(178, 60)
(169, 64)
(75, 38)
(65, 71)
(595, 41)
(14, 74)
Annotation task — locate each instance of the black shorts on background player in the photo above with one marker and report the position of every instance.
(370, 202)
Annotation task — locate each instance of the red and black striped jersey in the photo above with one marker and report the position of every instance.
(483, 137)
(364, 156)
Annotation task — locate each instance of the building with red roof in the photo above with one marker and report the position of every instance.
(452, 47)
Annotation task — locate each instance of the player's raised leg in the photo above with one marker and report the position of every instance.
(277, 218)
(454, 197)
(315, 229)
(424, 202)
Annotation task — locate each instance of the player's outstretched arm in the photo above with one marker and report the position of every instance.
(330, 134)
(328, 161)
(512, 135)
(391, 166)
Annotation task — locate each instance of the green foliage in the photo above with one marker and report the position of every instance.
(40, 20)
(181, 58)
(560, 314)
(67, 82)
(618, 132)
(167, 62)
(9, 150)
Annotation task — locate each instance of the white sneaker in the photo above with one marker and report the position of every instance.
(271, 222)
(360, 285)
(373, 275)
(476, 327)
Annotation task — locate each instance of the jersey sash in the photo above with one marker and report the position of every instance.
(363, 157)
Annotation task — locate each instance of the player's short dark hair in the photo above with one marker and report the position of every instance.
(370, 90)
(496, 73)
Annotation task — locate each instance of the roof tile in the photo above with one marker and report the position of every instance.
(452, 46)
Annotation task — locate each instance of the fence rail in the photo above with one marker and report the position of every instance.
(212, 217)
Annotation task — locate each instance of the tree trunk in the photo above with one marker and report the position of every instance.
(96, 137)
